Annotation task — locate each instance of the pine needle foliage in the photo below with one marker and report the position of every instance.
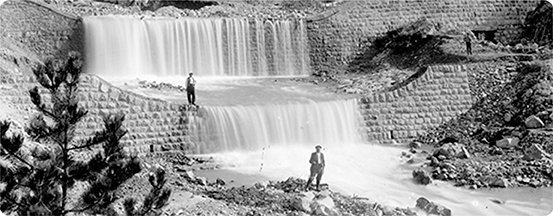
(38, 182)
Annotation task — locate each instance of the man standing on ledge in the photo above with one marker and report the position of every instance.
(317, 161)
(190, 89)
(468, 41)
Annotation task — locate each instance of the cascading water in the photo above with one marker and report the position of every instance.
(131, 46)
(273, 141)
(229, 128)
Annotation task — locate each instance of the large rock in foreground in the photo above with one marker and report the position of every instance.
(432, 208)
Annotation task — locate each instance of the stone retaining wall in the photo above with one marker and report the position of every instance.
(336, 40)
(153, 125)
(440, 94)
(41, 28)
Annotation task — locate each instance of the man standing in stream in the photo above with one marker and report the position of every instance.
(190, 89)
(317, 161)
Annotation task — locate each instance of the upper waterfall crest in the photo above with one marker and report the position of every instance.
(130, 46)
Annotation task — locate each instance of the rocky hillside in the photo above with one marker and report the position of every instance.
(506, 135)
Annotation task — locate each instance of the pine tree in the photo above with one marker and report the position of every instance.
(37, 181)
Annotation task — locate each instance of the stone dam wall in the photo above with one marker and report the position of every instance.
(398, 116)
(153, 125)
(158, 126)
(44, 30)
(334, 41)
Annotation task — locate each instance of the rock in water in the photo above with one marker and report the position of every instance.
(201, 181)
(189, 176)
(499, 182)
(415, 144)
(421, 177)
(507, 142)
(534, 122)
(498, 201)
(535, 152)
(220, 181)
(432, 208)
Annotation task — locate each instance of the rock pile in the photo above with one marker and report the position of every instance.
(504, 136)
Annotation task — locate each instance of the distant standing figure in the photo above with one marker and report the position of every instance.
(190, 89)
(468, 41)
(317, 161)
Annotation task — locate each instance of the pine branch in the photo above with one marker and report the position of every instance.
(22, 160)
(98, 138)
(87, 207)
(9, 199)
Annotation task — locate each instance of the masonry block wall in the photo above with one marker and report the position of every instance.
(153, 125)
(41, 28)
(440, 94)
(336, 40)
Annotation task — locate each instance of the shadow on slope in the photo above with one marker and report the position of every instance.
(415, 45)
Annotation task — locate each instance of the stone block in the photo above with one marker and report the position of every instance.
(507, 142)
(534, 122)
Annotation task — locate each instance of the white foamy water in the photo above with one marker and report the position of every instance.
(132, 46)
(378, 173)
(253, 127)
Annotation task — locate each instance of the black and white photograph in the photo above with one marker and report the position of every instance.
(276, 107)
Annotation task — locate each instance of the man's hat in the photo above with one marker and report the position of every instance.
(318, 146)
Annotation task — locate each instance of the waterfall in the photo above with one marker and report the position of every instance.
(131, 46)
(330, 123)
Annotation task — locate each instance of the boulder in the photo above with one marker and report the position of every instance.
(507, 143)
(465, 152)
(323, 205)
(421, 177)
(220, 181)
(432, 208)
(201, 181)
(498, 201)
(535, 152)
(189, 176)
(260, 185)
(451, 150)
(533, 122)
(415, 144)
(415, 161)
(499, 182)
